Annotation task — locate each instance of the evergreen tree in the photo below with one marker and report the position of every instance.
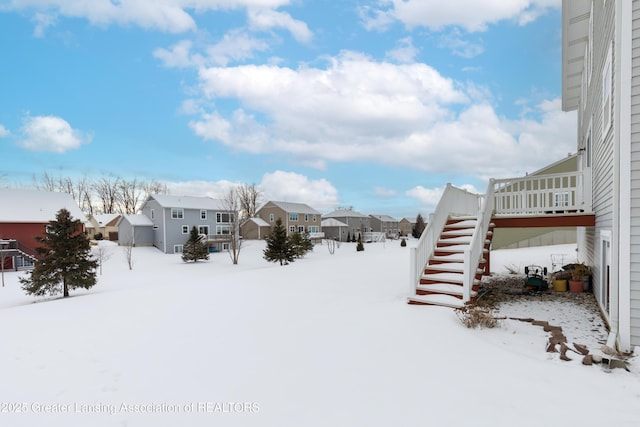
(419, 227)
(278, 248)
(300, 244)
(65, 259)
(359, 246)
(195, 248)
(348, 236)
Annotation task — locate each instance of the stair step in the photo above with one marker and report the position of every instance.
(444, 288)
(450, 267)
(436, 299)
(456, 257)
(459, 239)
(460, 225)
(455, 278)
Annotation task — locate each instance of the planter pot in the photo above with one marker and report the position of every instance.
(560, 285)
(576, 285)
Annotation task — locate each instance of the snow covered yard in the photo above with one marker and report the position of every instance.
(326, 341)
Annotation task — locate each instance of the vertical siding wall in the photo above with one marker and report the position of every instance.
(603, 149)
(635, 176)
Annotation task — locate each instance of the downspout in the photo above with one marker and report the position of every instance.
(622, 81)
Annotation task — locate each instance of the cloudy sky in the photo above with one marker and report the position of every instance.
(374, 104)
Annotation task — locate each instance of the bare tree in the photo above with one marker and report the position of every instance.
(128, 253)
(101, 254)
(249, 197)
(231, 202)
(332, 244)
(129, 195)
(154, 187)
(106, 190)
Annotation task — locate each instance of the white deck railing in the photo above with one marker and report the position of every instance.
(539, 194)
(453, 201)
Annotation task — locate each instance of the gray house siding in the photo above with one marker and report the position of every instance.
(154, 212)
(635, 176)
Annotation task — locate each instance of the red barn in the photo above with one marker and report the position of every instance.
(24, 214)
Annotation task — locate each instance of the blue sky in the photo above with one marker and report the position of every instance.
(374, 104)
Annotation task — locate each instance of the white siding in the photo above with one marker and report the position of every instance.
(635, 176)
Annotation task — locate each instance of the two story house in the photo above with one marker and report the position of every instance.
(296, 217)
(357, 224)
(174, 216)
(385, 224)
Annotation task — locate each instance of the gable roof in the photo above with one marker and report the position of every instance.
(107, 219)
(29, 206)
(188, 202)
(344, 213)
(332, 222)
(385, 218)
(259, 222)
(136, 220)
(294, 207)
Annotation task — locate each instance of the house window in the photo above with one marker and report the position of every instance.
(271, 218)
(301, 229)
(185, 229)
(203, 214)
(153, 214)
(223, 230)
(177, 249)
(306, 217)
(203, 229)
(315, 218)
(561, 199)
(314, 229)
(177, 213)
(607, 109)
(292, 229)
(224, 217)
(293, 216)
(225, 246)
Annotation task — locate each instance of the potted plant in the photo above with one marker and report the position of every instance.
(578, 274)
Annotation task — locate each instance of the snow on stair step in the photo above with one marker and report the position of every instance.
(460, 239)
(437, 299)
(456, 257)
(462, 224)
(443, 277)
(444, 288)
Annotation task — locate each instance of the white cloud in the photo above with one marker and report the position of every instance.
(266, 19)
(455, 42)
(50, 133)
(293, 187)
(4, 132)
(384, 192)
(405, 52)
(360, 110)
(172, 16)
(199, 188)
(428, 198)
(471, 15)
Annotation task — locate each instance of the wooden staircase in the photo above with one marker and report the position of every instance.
(441, 282)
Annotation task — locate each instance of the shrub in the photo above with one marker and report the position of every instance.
(98, 236)
(473, 316)
(403, 242)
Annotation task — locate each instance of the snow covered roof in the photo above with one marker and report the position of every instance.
(189, 202)
(332, 222)
(260, 222)
(385, 218)
(344, 213)
(136, 219)
(295, 207)
(105, 219)
(29, 206)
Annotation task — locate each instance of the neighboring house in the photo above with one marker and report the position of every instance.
(296, 217)
(504, 238)
(105, 224)
(384, 224)
(601, 81)
(174, 216)
(334, 229)
(405, 226)
(255, 229)
(357, 223)
(135, 230)
(24, 215)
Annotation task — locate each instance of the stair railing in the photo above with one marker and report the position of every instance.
(454, 201)
(474, 253)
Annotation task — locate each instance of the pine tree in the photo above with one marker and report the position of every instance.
(300, 244)
(348, 236)
(66, 259)
(195, 248)
(419, 227)
(278, 248)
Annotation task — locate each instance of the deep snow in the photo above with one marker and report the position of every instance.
(325, 341)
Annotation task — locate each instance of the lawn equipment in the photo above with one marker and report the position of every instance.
(536, 279)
